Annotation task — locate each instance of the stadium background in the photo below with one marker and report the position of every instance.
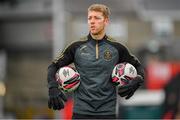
(32, 32)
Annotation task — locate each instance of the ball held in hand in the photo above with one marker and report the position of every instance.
(68, 78)
(123, 73)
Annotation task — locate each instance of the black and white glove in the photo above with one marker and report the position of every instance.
(56, 98)
(128, 90)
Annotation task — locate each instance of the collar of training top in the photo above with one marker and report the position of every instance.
(99, 41)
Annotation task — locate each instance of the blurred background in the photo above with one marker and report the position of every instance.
(33, 32)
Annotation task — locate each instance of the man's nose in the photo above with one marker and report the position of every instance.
(92, 21)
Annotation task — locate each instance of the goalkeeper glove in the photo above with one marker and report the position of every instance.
(56, 98)
(129, 89)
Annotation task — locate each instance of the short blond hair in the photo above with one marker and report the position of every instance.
(100, 8)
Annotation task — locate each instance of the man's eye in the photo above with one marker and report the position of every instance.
(98, 18)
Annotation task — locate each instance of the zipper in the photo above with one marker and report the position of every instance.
(97, 50)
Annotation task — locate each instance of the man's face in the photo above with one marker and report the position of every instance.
(96, 22)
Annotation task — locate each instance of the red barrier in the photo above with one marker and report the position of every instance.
(160, 73)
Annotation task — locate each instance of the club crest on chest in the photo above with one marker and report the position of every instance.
(107, 55)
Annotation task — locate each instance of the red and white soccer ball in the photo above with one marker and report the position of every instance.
(123, 73)
(68, 78)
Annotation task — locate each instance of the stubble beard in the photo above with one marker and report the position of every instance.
(99, 32)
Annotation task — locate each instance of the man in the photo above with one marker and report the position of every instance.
(94, 59)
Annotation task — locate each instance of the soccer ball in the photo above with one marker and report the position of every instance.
(68, 78)
(123, 73)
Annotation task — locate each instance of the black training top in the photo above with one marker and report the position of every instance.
(94, 61)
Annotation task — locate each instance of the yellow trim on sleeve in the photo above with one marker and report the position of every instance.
(62, 53)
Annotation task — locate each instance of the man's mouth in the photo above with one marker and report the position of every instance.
(92, 27)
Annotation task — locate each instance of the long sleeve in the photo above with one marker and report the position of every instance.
(128, 57)
(65, 58)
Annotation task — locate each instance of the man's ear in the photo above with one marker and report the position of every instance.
(106, 20)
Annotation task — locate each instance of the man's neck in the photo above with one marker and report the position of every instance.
(98, 36)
